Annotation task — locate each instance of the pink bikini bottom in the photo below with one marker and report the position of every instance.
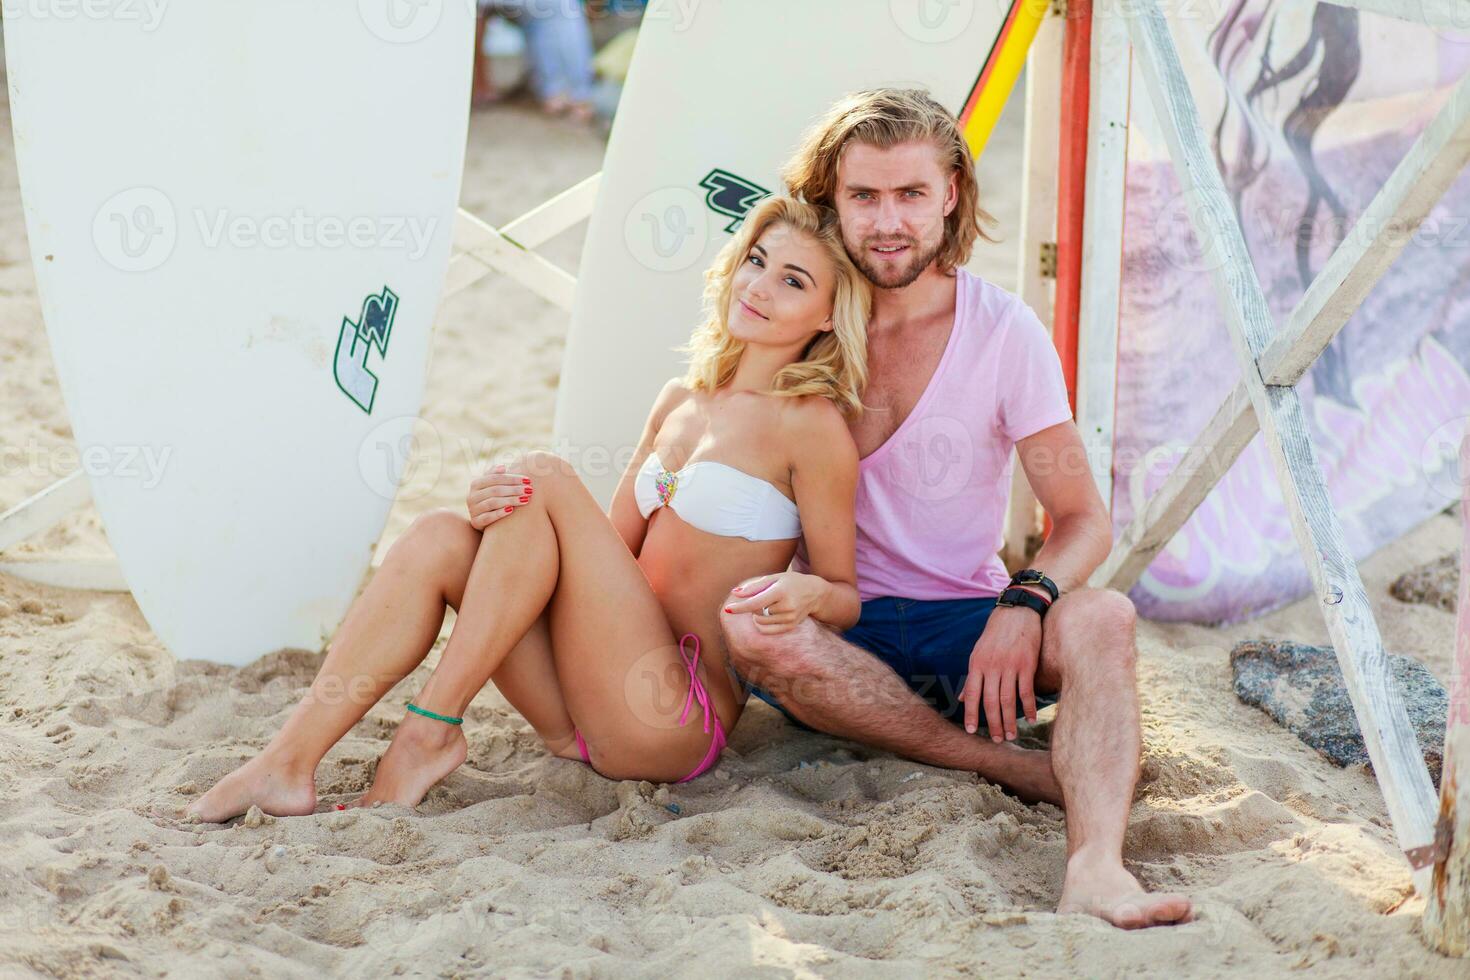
(696, 692)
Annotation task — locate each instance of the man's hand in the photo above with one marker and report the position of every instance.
(1002, 664)
(789, 597)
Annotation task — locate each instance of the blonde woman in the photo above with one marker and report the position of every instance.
(602, 629)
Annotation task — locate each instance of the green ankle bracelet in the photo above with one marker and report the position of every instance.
(434, 714)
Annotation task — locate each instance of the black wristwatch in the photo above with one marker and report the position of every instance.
(1014, 596)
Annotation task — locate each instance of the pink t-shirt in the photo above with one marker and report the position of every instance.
(931, 501)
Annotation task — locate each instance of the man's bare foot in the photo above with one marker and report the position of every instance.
(1101, 886)
(423, 751)
(275, 785)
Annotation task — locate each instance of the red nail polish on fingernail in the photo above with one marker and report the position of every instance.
(728, 609)
(524, 499)
(509, 509)
(525, 479)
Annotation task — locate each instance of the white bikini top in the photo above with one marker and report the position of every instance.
(717, 498)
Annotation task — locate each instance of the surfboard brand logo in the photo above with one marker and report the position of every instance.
(147, 13)
(401, 21)
(731, 195)
(934, 21)
(666, 230)
(356, 340)
(136, 230)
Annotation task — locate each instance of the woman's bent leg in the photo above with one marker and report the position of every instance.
(559, 550)
(387, 633)
(512, 578)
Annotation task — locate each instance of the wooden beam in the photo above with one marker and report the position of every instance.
(485, 248)
(544, 222)
(1038, 224)
(1209, 458)
(1392, 747)
(1447, 911)
(1102, 248)
(44, 510)
(1376, 240)
(481, 247)
(1440, 14)
(85, 574)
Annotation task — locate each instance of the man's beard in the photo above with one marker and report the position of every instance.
(888, 277)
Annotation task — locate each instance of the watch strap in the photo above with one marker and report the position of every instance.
(1024, 597)
(1030, 576)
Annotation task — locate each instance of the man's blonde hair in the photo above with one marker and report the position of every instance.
(886, 117)
(835, 364)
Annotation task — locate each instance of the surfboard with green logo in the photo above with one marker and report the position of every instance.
(717, 98)
(240, 218)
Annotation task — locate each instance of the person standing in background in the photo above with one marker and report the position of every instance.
(560, 46)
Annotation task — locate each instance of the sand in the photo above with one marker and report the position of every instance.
(801, 855)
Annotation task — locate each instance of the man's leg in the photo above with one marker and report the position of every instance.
(844, 690)
(1087, 651)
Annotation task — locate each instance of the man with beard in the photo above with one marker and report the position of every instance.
(951, 649)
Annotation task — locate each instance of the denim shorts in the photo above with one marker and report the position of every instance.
(926, 642)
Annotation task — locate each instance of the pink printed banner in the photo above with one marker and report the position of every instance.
(1309, 108)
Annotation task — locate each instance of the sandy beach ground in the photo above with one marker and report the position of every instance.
(802, 855)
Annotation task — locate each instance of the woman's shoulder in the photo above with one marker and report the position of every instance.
(670, 396)
(816, 424)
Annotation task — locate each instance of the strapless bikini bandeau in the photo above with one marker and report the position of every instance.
(717, 498)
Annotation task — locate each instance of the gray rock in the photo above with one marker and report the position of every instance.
(1301, 688)
(1436, 583)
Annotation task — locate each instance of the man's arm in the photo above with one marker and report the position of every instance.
(1055, 462)
(1003, 665)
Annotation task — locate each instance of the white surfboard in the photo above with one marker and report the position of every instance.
(240, 220)
(717, 98)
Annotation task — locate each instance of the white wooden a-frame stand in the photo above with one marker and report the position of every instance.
(1267, 400)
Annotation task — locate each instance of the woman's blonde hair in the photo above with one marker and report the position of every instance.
(835, 363)
(887, 117)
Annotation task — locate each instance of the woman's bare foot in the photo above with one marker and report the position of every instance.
(278, 786)
(1100, 886)
(423, 751)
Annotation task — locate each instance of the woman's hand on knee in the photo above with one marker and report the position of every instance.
(496, 494)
